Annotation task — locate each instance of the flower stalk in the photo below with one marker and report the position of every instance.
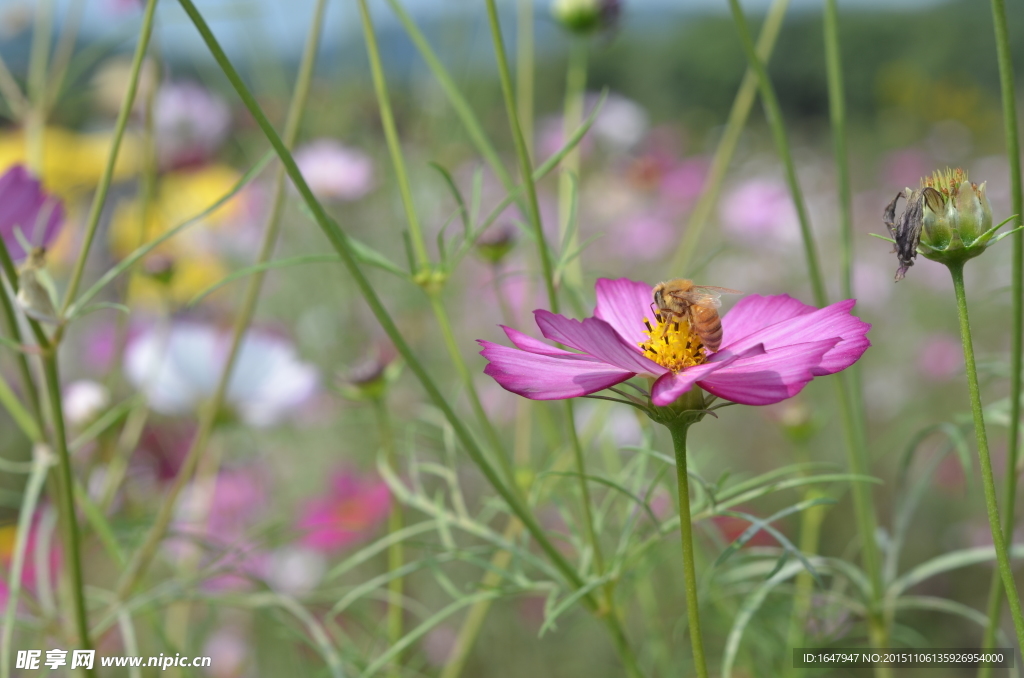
(987, 479)
(679, 428)
(1006, 82)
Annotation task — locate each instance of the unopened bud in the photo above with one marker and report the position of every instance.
(586, 16)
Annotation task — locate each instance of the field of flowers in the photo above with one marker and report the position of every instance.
(518, 339)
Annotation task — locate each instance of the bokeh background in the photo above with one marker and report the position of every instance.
(298, 443)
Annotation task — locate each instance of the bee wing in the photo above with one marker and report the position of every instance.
(706, 295)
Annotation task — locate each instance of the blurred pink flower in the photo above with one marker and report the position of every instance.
(191, 123)
(29, 573)
(354, 506)
(232, 651)
(940, 357)
(25, 206)
(682, 184)
(646, 236)
(335, 171)
(905, 167)
(551, 138)
(438, 644)
(178, 371)
(759, 211)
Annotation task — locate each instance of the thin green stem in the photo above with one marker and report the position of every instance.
(96, 209)
(987, 480)
(1006, 82)
(525, 70)
(568, 180)
(773, 113)
(396, 551)
(66, 502)
(737, 119)
(523, 154)
(341, 243)
(143, 556)
(837, 115)
(810, 531)
(493, 439)
(678, 431)
(387, 120)
(852, 423)
(41, 462)
(581, 470)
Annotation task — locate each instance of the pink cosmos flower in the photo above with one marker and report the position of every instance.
(335, 171)
(25, 205)
(771, 348)
(355, 505)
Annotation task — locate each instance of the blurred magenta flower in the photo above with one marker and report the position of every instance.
(25, 206)
(759, 210)
(178, 369)
(353, 507)
(191, 123)
(771, 348)
(335, 171)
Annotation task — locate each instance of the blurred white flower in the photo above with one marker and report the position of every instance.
(178, 371)
(84, 400)
(621, 124)
(191, 123)
(335, 171)
(296, 570)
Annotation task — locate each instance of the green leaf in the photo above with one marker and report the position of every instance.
(607, 483)
(946, 562)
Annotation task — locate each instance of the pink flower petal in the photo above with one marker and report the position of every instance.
(799, 324)
(773, 376)
(624, 304)
(528, 343)
(544, 377)
(597, 338)
(670, 386)
(754, 313)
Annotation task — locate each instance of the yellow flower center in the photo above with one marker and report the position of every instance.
(672, 344)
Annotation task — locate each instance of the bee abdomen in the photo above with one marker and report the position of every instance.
(708, 326)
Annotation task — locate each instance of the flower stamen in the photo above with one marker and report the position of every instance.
(678, 346)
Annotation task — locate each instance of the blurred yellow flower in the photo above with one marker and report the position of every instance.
(194, 261)
(72, 162)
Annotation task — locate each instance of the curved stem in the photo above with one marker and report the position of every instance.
(143, 557)
(525, 69)
(396, 551)
(679, 431)
(96, 209)
(387, 120)
(738, 115)
(1006, 82)
(523, 154)
(572, 115)
(987, 480)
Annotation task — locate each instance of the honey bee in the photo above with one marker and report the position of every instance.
(697, 304)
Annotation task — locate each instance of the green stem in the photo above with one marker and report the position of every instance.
(525, 70)
(143, 557)
(679, 430)
(387, 120)
(737, 119)
(396, 551)
(572, 115)
(773, 113)
(837, 114)
(810, 531)
(41, 462)
(66, 503)
(852, 421)
(987, 480)
(523, 155)
(96, 209)
(341, 243)
(493, 439)
(1006, 82)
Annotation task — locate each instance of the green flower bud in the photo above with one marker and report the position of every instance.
(949, 220)
(586, 16)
